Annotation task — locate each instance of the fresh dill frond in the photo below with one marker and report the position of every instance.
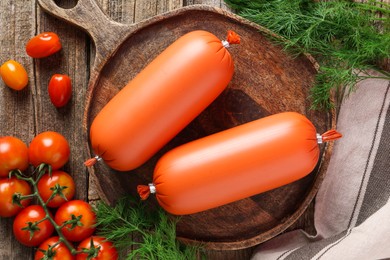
(141, 233)
(347, 38)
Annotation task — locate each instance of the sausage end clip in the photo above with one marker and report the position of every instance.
(328, 136)
(90, 162)
(232, 38)
(145, 190)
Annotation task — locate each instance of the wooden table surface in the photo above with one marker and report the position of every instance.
(26, 113)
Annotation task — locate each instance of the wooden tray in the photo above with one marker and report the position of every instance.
(266, 81)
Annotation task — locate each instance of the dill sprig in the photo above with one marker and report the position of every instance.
(140, 232)
(347, 38)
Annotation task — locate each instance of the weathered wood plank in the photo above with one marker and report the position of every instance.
(17, 25)
(168, 5)
(72, 60)
(217, 3)
(121, 11)
(144, 9)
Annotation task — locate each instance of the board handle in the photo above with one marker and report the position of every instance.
(86, 14)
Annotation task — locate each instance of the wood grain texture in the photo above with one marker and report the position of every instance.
(216, 3)
(15, 107)
(72, 60)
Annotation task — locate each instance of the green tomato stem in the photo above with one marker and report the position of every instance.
(56, 227)
(41, 170)
(41, 220)
(57, 190)
(29, 196)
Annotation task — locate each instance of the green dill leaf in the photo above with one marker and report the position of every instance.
(140, 232)
(345, 37)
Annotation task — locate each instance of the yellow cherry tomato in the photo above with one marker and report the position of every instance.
(14, 75)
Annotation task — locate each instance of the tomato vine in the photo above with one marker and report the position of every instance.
(32, 226)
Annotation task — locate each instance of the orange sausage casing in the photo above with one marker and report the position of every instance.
(161, 100)
(236, 163)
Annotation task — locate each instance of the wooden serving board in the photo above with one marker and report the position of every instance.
(266, 81)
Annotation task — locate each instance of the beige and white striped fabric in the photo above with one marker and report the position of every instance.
(352, 208)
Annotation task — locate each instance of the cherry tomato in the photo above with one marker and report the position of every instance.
(107, 250)
(58, 180)
(9, 187)
(13, 155)
(43, 45)
(31, 214)
(74, 209)
(60, 90)
(14, 75)
(49, 147)
(58, 252)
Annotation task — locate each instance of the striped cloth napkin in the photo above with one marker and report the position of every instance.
(352, 207)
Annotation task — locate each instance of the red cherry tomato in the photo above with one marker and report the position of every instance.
(13, 155)
(43, 45)
(14, 75)
(60, 90)
(60, 251)
(32, 214)
(49, 147)
(57, 180)
(107, 251)
(72, 209)
(9, 187)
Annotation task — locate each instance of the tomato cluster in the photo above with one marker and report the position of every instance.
(42, 45)
(58, 224)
